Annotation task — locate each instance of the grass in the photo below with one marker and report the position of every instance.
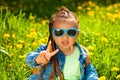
(100, 33)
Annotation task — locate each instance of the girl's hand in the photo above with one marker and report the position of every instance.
(45, 56)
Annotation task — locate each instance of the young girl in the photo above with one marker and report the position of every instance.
(62, 58)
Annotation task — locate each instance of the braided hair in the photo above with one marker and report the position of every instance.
(63, 13)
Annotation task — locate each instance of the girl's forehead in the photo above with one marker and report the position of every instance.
(65, 23)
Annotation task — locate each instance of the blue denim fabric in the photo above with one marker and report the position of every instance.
(88, 73)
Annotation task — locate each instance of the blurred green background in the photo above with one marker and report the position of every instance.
(44, 8)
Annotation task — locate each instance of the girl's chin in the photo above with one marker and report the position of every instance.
(64, 47)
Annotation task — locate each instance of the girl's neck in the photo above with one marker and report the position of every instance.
(68, 51)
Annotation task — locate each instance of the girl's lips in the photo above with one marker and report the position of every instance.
(65, 43)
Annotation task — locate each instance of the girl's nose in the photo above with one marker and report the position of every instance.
(65, 35)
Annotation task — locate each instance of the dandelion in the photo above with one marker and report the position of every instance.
(102, 78)
(115, 69)
(109, 8)
(19, 46)
(44, 22)
(34, 44)
(97, 8)
(10, 65)
(91, 48)
(90, 2)
(21, 41)
(88, 8)
(13, 36)
(27, 44)
(22, 56)
(90, 13)
(79, 7)
(32, 30)
(40, 41)
(31, 17)
(28, 36)
(24, 65)
(6, 35)
(104, 39)
(102, 17)
(115, 5)
(9, 47)
(11, 55)
(118, 76)
(91, 53)
(116, 49)
(33, 34)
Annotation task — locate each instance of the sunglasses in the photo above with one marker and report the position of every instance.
(71, 32)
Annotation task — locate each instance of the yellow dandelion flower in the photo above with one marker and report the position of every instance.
(11, 55)
(24, 65)
(90, 48)
(19, 46)
(27, 44)
(116, 10)
(34, 44)
(33, 30)
(115, 69)
(116, 49)
(111, 19)
(21, 41)
(79, 7)
(13, 36)
(97, 8)
(22, 56)
(109, 14)
(100, 12)
(102, 78)
(90, 2)
(9, 47)
(88, 8)
(118, 76)
(90, 13)
(6, 35)
(33, 34)
(115, 5)
(109, 8)
(28, 36)
(91, 53)
(44, 22)
(40, 41)
(10, 65)
(104, 39)
(31, 17)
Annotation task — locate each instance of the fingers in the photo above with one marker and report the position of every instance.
(45, 56)
(49, 55)
(49, 47)
(54, 52)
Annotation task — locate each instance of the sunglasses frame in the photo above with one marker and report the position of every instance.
(65, 31)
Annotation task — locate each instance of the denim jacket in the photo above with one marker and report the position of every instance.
(87, 73)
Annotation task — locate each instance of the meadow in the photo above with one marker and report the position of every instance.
(100, 34)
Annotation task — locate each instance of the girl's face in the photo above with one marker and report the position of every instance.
(64, 40)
